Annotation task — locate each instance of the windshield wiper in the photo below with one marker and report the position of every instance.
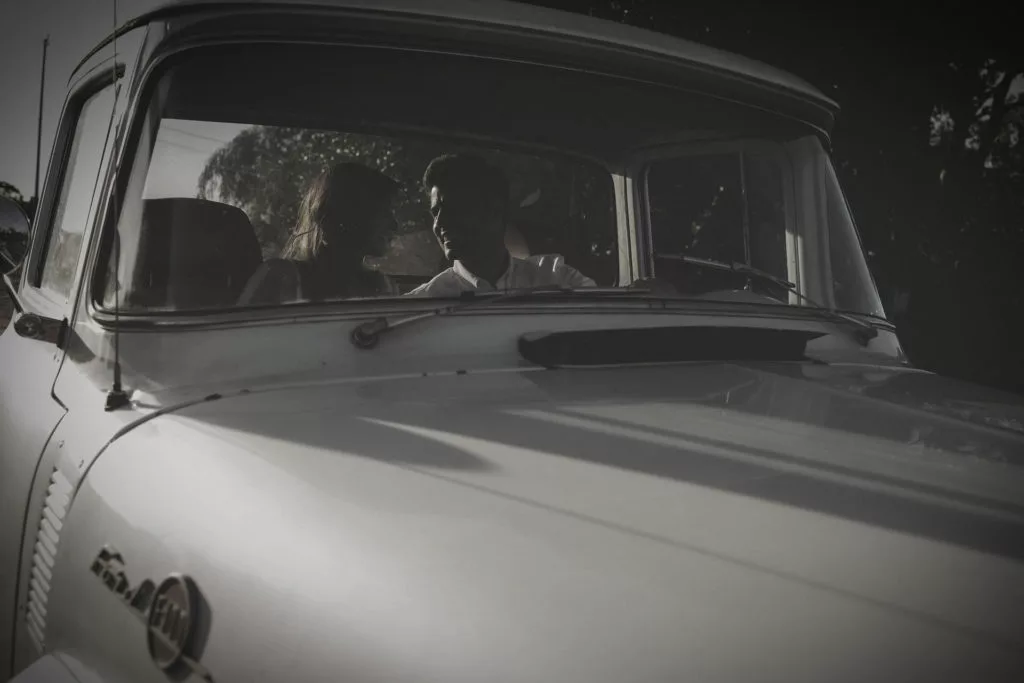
(751, 272)
(866, 331)
(367, 335)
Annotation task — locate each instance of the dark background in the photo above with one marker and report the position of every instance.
(928, 146)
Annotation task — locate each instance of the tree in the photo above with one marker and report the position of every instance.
(13, 242)
(11, 192)
(928, 146)
(264, 171)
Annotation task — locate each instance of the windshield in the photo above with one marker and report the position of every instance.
(725, 205)
(756, 204)
(259, 180)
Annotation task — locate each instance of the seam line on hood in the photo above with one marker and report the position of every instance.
(975, 634)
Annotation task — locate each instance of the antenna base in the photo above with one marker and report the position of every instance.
(116, 398)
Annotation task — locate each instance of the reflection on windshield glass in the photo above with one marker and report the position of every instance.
(852, 282)
(722, 206)
(261, 183)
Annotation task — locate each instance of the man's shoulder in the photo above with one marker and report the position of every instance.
(440, 279)
(547, 261)
(553, 269)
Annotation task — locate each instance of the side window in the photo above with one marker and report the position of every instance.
(77, 188)
(725, 207)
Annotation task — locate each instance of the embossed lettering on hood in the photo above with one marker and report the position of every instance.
(175, 614)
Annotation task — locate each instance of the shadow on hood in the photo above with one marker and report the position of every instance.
(735, 429)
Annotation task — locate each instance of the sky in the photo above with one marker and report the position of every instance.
(180, 154)
(75, 27)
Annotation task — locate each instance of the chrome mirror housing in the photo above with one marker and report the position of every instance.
(14, 232)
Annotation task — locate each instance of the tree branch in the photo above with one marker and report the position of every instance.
(999, 110)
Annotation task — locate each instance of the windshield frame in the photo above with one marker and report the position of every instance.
(499, 303)
(137, 144)
(831, 176)
(134, 145)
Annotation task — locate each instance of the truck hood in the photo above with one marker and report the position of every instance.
(691, 522)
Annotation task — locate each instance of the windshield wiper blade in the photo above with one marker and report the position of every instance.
(866, 331)
(367, 335)
(733, 267)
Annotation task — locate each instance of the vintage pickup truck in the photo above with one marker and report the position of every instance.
(712, 462)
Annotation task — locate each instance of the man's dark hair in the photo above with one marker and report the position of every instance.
(467, 170)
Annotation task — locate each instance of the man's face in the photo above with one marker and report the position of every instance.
(468, 226)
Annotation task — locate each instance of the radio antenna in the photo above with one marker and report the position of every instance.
(116, 397)
(39, 127)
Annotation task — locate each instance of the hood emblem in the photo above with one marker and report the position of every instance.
(175, 614)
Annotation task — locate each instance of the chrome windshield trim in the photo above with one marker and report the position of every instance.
(361, 310)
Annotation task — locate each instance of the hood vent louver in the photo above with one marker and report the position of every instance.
(58, 496)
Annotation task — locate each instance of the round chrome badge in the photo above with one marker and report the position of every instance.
(171, 623)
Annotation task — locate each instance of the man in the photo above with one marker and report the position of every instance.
(469, 205)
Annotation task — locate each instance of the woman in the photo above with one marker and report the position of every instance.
(344, 216)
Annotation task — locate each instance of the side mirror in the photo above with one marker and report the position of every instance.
(31, 325)
(14, 232)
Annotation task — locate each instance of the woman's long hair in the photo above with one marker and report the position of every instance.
(333, 207)
(309, 237)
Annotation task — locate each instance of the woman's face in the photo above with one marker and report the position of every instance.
(353, 238)
(382, 227)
